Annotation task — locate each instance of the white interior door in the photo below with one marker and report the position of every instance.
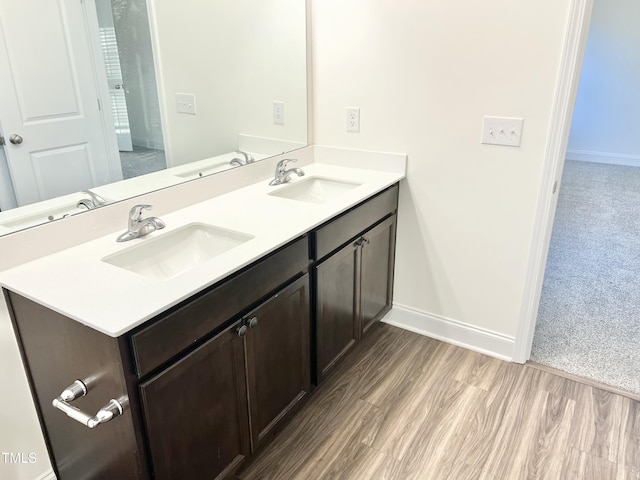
(48, 96)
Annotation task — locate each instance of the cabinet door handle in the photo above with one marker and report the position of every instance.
(242, 330)
(365, 241)
(79, 389)
(358, 243)
(253, 322)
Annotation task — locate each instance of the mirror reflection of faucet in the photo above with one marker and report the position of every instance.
(248, 158)
(138, 226)
(283, 175)
(94, 200)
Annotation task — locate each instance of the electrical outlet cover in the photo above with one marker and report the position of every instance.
(278, 113)
(353, 119)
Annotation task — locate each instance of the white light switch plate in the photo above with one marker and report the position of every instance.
(186, 103)
(502, 131)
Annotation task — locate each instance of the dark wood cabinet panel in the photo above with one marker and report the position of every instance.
(277, 352)
(106, 452)
(354, 289)
(378, 256)
(352, 223)
(196, 412)
(173, 333)
(337, 280)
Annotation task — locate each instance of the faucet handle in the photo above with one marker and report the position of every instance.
(283, 163)
(248, 158)
(96, 199)
(137, 210)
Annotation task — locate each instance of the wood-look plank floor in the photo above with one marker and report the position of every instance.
(403, 406)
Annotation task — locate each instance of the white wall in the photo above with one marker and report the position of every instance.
(424, 74)
(237, 58)
(606, 125)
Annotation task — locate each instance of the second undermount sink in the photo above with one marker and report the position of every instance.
(315, 189)
(172, 253)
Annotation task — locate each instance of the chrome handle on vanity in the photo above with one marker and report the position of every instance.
(252, 322)
(78, 389)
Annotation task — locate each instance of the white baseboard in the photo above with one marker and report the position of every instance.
(604, 157)
(452, 331)
(147, 143)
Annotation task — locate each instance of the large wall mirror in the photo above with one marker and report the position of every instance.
(103, 100)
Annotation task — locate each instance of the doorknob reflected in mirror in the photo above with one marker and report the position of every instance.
(15, 139)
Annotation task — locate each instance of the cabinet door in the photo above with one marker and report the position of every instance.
(376, 290)
(278, 364)
(337, 310)
(196, 412)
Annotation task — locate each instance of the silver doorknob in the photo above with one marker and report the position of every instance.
(15, 139)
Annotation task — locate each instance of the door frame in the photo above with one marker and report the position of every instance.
(557, 140)
(100, 76)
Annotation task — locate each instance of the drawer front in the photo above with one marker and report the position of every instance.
(174, 333)
(350, 224)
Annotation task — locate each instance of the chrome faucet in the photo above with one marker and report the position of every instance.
(248, 158)
(283, 175)
(94, 201)
(138, 226)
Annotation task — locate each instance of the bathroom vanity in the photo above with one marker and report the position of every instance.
(206, 365)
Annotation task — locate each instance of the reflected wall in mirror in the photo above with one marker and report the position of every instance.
(124, 97)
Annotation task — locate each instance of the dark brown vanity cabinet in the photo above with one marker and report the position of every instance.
(277, 350)
(207, 382)
(207, 412)
(202, 385)
(354, 284)
(196, 412)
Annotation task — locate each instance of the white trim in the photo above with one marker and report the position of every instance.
(92, 29)
(564, 102)
(48, 476)
(147, 143)
(451, 331)
(161, 87)
(604, 157)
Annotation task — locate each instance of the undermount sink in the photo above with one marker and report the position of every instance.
(172, 253)
(315, 189)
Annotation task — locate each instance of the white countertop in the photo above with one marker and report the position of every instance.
(77, 283)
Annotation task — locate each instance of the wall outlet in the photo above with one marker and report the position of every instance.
(278, 113)
(502, 131)
(353, 119)
(186, 103)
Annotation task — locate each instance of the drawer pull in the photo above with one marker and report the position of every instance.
(242, 330)
(78, 389)
(253, 322)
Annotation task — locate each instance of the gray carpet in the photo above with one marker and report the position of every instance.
(589, 316)
(141, 161)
